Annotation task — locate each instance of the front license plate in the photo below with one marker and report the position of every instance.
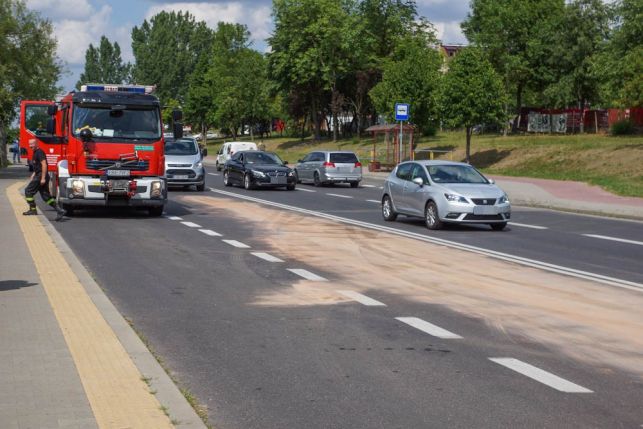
(118, 173)
(280, 180)
(181, 177)
(485, 210)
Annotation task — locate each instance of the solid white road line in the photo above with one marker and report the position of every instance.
(622, 240)
(213, 174)
(429, 328)
(524, 225)
(339, 195)
(210, 233)
(540, 375)
(266, 257)
(362, 299)
(236, 243)
(374, 201)
(625, 284)
(174, 218)
(191, 224)
(305, 190)
(307, 275)
(368, 186)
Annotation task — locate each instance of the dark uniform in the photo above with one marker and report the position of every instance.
(34, 185)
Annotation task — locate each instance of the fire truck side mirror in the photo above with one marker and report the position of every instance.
(178, 130)
(51, 126)
(177, 115)
(85, 135)
(52, 109)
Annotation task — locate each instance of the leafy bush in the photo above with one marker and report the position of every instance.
(622, 127)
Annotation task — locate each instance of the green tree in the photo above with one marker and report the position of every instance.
(621, 61)
(312, 48)
(514, 33)
(104, 64)
(167, 50)
(29, 67)
(471, 93)
(576, 44)
(411, 76)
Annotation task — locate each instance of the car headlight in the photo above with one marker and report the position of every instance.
(198, 165)
(258, 173)
(503, 200)
(291, 173)
(456, 198)
(156, 189)
(78, 187)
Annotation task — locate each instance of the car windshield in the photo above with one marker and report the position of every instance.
(262, 158)
(455, 174)
(180, 147)
(107, 124)
(339, 158)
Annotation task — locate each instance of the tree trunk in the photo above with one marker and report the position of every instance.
(315, 117)
(516, 123)
(3, 145)
(468, 155)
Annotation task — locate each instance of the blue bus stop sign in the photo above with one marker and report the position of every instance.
(401, 112)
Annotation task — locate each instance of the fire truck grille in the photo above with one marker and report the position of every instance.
(103, 164)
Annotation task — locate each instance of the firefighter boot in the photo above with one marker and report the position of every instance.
(32, 207)
(60, 212)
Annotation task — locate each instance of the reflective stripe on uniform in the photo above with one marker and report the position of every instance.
(29, 199)
(50, 201)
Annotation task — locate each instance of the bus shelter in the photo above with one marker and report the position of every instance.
(389, 134)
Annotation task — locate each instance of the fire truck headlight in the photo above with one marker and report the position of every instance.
(78, 188)
(156, 189)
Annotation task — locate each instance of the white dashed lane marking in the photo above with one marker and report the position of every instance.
(191, 224)
(368, 186)
(210, 232)
(305, 190)
(339, 195)
(524, 225)
(236, 243)
(362, 299)
(266, 257)
(213, 174)
(540, 375)
(307, 274)
(622, 240)
(429, 328)
(174, 218)
(374, 201)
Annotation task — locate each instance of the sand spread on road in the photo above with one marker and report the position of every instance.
(589, 321)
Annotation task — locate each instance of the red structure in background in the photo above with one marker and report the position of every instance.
(593, 120)
(634, 114)
(391, 134)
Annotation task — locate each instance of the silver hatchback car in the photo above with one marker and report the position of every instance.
(322, 167)
(444, 191)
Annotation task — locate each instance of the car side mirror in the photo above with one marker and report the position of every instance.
(419, 181)
(51, 126)
(491, 180)
(204, 152)
(285, 162)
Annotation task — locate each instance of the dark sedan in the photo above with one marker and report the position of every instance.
(252, 169)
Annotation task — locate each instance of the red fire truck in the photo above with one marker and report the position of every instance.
(104, 146)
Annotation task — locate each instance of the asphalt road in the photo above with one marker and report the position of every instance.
(349, 365)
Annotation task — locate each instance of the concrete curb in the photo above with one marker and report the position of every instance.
(167, 393)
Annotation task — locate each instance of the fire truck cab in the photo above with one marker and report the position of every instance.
(104, 146)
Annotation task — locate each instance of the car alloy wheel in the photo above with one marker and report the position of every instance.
(431, 216)
(226, 178)
(388, 213)
(247, 182)
(317, 182)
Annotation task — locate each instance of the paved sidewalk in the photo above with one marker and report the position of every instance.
(67, 358)
(561, 195)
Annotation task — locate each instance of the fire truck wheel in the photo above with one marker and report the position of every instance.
(156, 211)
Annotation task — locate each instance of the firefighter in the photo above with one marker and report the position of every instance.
(39, 182)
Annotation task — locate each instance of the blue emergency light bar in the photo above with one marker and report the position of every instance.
(138, 89)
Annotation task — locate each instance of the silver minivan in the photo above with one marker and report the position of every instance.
(326, 167)
(184, 163)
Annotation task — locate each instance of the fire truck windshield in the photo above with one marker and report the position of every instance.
(107, 124)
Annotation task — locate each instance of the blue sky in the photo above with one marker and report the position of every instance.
(77, 23)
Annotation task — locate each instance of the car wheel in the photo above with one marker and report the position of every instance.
(297, 177)
(156, 211)
(226, 178)
(354, 184)
(431, 216)
(291, 187)
(316, 180)
(217, 166)
(201, 187)
(388, 213)
(247, 182)
(69, 210)
(498, 226)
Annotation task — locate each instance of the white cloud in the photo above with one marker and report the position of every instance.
(55, 9)
(256, 18)
(75, 35)
(450, 32)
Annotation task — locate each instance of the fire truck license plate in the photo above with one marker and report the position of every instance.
(118, 173)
